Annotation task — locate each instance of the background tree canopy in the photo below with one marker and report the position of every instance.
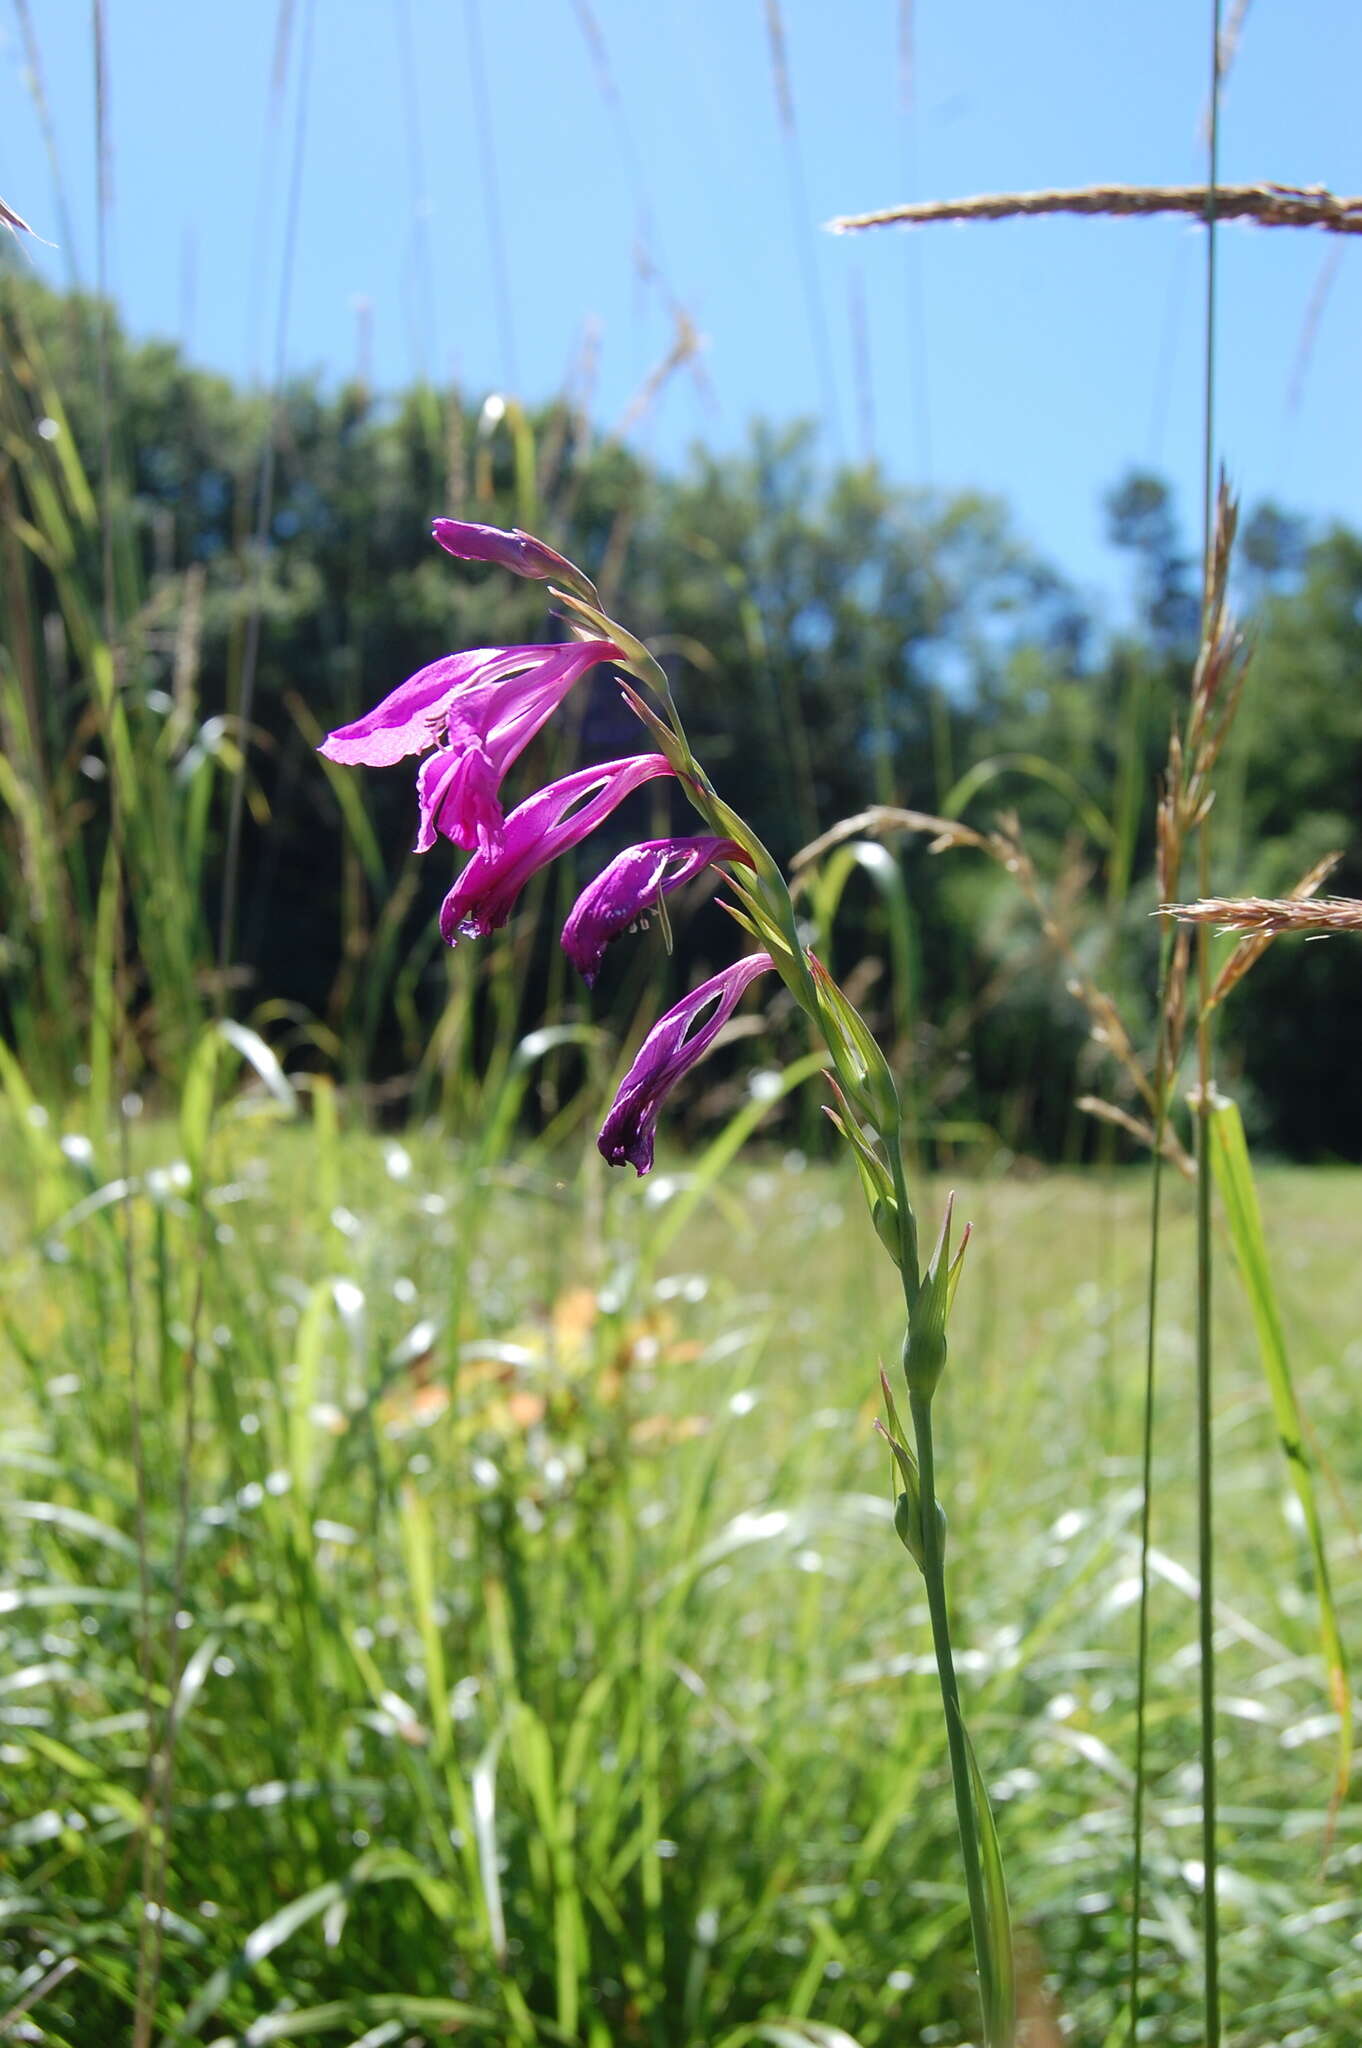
(835, 641)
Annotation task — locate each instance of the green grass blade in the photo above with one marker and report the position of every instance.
(418, 1553)
(398, 2009)
(104, 993)
(376, 1866)
(1093, 819)
(308, 1354)
(1234, 1177)
(999, 1986)
(199, 1095)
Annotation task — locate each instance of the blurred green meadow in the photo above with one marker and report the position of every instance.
(522, 1608)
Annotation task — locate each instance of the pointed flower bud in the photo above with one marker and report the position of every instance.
(519, 552)
(861, 1066)
(924, 1347)
(876, 1181)
(909, 1526)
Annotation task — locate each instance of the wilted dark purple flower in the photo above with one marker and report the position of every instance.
(519, 552)
(670, 1050)
(479, 710)
(541, 828)
(629, 888)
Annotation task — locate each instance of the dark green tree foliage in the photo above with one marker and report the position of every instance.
(835, 641)
(1141, 518)
(1303, 799)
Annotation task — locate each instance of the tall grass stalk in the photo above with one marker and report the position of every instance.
(148, 1944)
(1204, 1341)
(1162, 1081)
(250, 657)
(1205, 1484)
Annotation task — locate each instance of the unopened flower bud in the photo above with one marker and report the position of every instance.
(924, 1347)
(908, 1527)
(519, 552)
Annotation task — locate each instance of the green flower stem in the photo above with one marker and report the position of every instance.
(767, 911)
(934, 1572)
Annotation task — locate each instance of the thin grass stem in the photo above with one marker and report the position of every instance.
(1146, 1508)
(250, 660)
(1205, 1491)
(148, 1953)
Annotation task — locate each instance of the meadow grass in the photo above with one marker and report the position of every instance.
(536, 1671)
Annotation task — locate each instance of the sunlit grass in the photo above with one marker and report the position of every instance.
(535, 1651)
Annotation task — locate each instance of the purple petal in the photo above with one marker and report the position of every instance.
(519, 552)
(628, 888)
(409, 718)
(456, 788)
(492, 726)
(671, 1049)
(501, 693)
(545, 825)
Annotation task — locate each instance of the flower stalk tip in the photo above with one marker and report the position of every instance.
(519, 552)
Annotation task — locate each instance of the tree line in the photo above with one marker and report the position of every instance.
(836, 640)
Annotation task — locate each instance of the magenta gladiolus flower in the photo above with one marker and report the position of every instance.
(519, 552)
(541, 828)
(629, 888)
(479, 711)
(671, 1049)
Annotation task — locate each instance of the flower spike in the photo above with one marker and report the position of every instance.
(469, 717)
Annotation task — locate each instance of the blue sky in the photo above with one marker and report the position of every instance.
(494, 235)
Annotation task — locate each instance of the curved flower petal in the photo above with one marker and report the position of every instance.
(541, 828)
(456, 788)
(511, 690)
(410, 717)
(482, 709)
(519, 552)
(671, 1049)
(628, 888)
